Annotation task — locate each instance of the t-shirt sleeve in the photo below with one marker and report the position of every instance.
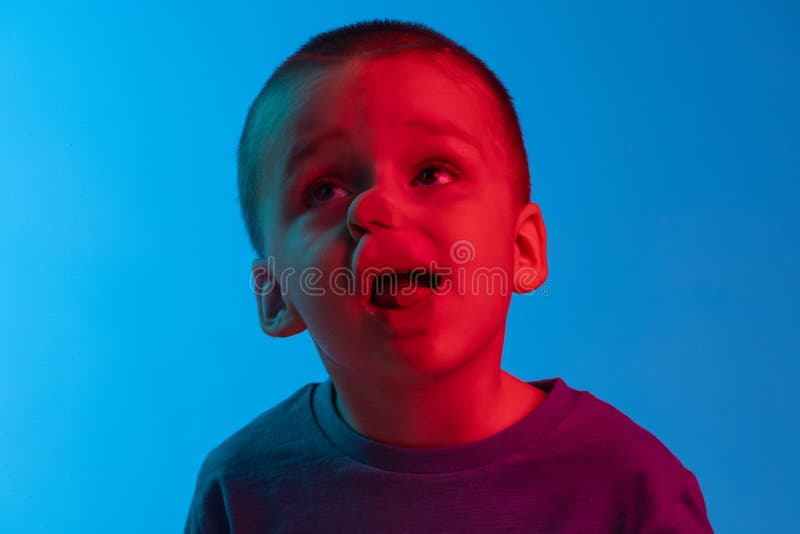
(207, 512)
(671, 505)
(192, 525)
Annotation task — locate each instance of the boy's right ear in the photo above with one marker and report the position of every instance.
(277, 316)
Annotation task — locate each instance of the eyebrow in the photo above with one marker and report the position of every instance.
(300, 151)
(439, 128)
(445, 128)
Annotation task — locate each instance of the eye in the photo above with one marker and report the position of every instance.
(322, 193)
(435, 176)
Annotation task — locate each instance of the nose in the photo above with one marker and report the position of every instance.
(370, 210)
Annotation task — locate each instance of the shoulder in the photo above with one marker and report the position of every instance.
(657, 490)
(253, 450)
(264, 435)
(601, 430)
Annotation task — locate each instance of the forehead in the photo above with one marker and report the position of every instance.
(385, 92)
(368, 97)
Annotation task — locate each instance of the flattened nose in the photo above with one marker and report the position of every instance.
(369, 211)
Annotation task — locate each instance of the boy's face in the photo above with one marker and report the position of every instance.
(391, 162)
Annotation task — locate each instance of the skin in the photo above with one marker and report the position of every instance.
(395, 185)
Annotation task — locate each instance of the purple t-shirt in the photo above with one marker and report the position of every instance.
(574, 464)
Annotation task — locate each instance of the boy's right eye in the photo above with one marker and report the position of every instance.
(323, 192)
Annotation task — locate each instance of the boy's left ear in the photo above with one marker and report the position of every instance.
(530, 250)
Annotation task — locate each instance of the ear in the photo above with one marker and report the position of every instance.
(277, 316)
(530, 250)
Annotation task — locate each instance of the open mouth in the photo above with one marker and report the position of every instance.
(402, 289)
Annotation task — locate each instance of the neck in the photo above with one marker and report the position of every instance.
(468, 404)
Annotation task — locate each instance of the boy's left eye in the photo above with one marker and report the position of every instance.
(435, 176)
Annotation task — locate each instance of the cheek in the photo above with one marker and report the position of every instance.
(334, 325)
(323, 280)
(314, 245)
(468, 323)
(483, 246)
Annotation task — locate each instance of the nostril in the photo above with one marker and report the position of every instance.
(369, 210)
(356, 231)
(354, 227)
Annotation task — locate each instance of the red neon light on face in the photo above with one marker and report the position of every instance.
(391, 162)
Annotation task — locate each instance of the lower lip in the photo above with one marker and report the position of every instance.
(415, 317)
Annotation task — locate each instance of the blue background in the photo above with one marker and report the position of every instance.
(663, 139)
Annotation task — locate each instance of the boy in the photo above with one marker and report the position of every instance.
(385, 187)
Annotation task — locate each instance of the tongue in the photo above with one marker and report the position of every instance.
(402, 293)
